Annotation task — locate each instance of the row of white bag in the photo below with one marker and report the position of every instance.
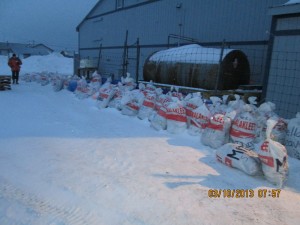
(45, 78)
(59, 82)
(219, 124)
(238, 130)
(255, 135)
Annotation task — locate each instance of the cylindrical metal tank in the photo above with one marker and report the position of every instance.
(197, 66)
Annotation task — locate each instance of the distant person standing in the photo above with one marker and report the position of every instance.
(15, 64)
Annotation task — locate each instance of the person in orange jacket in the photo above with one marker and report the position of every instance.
(15, 64)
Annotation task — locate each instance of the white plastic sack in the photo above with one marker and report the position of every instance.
(66, 83)
(150, 87)
(81, 89)
(58, 84)
(191, 104)
(159, 120)
(148, 106)
(215, 107)
(176, 117)
(131, 108)
(293, 137)
(264, 112)
(199, 120)
(105, 95)
(83, 93)
(235, 155)
(28, 77)
(116, 100)
(132, 101)
(128, 82)
(244, 128)
(279, 131)
(234, 107)
(161, 100)
(95, 82)
(216, 133)
(174, 92)
(274, 158)
(44, 80)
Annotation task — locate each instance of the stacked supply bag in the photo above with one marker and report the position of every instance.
(192, 101)
(274, 158)
(116, 100)
(244, 127)
(95, 83)
(216, 132)
(198, 115)
(293, 137)
(58, 83)
(132, 101)
(176, 116)
(82, 89)
(128, 82)
(106, 93)
(44, 79)
(159, 118)
(237, 156)
(148, 105)
(266, 111)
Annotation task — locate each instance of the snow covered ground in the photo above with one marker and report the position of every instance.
(65, 162)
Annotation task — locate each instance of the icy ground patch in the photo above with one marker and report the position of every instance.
(65, 162)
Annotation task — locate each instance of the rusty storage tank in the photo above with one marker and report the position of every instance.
(197, 66)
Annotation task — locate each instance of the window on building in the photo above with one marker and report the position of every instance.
(119, 4)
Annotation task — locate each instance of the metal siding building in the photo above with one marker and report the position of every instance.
(283, 82)
(243, 24)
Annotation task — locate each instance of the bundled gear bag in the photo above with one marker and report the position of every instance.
(237, 156)
(274, 158)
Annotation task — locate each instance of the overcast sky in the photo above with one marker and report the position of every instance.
(51, 22)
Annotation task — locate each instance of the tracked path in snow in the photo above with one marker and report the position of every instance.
(66, 214)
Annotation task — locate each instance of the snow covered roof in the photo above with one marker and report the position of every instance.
(190, 54)
(290, 7)
(18, 48)
(292, 2)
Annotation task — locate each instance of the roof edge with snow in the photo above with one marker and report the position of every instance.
(290, 7)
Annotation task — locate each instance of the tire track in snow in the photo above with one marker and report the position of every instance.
(68, 215)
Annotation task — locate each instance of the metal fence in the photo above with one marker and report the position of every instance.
(115, 61)
(281, 86)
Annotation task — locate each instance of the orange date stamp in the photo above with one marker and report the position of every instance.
(243, 193)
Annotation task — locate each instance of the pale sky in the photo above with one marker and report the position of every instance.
(51, 22)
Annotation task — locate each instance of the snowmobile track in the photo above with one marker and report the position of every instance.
(69, 216)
